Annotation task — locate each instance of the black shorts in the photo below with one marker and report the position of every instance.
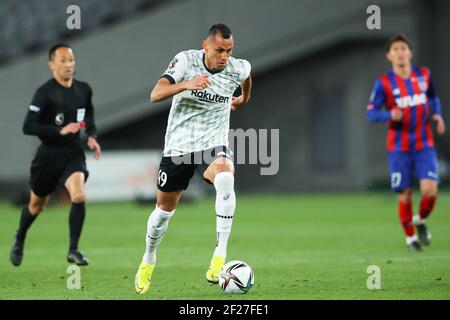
(175, 172)
(54, 164)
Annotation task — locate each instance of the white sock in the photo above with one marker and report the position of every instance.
(225, 205)
(417, 220)
(156, 228)
(221, 247)
(411, 239)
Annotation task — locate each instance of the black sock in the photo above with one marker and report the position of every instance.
(76, 220)
(26, 220)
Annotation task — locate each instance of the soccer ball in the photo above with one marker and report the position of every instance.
(236, 277)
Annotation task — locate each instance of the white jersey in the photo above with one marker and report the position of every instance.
(200, 119)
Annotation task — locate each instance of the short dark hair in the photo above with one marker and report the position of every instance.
(221, 29)
(51, 52)
(398, 37)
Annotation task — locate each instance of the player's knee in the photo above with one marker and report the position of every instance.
(429, 190)
(218, 166)
(77, 197)
(36, 208)
(223, 165)
(224, 181)
(405, 196)
(166, 206)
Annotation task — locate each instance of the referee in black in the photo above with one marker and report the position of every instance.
(60, 108)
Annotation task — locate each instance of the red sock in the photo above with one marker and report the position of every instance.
(405, 214)
(426, 206)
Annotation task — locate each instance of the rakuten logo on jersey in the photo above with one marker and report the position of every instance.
(411, 101)
(208, 97)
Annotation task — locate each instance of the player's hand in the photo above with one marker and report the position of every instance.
(198, 83)
(237, 103)
(396, 114)
(440, 124)
(93, 145)
(72, 127)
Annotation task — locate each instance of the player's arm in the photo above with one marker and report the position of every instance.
(166, 87)
(32, 124)
(246, 89)
(173, 80)
(375, 112)
(435, 107)
(91, 128)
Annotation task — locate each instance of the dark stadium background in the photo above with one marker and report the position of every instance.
(314, 64)
(313, 67)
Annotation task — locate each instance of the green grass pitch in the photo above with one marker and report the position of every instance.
(313, 246)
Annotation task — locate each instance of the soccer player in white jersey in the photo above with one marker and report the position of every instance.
(202, 83)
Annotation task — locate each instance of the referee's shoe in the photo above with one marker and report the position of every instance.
(16, 253)
(77, 257)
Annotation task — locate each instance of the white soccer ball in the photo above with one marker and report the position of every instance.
(236, 277)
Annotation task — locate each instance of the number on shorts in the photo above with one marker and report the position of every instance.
(162, 178)
(396, 179)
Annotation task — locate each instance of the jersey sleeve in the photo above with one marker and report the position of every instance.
(32, 125)
(435, 102)
(246, 69)
(91, 128)
(377, 100)
(176, 70)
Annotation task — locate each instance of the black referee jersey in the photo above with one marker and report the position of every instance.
(54, 106)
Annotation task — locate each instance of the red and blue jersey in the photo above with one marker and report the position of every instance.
(417, 99)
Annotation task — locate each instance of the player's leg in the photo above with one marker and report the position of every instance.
(75, 185)
(173, 178)
(158, 222)
(405, 213)
(29, 213)
(427, 170)
(400, 165)
(157, 225)
(428, 189)
(45, 173)
(221, 173)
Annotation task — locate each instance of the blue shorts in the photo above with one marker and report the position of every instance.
(403, 164)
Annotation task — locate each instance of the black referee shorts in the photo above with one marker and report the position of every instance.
(175, 172)
(53, 165)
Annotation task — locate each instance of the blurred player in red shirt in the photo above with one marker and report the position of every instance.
(411, 104)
